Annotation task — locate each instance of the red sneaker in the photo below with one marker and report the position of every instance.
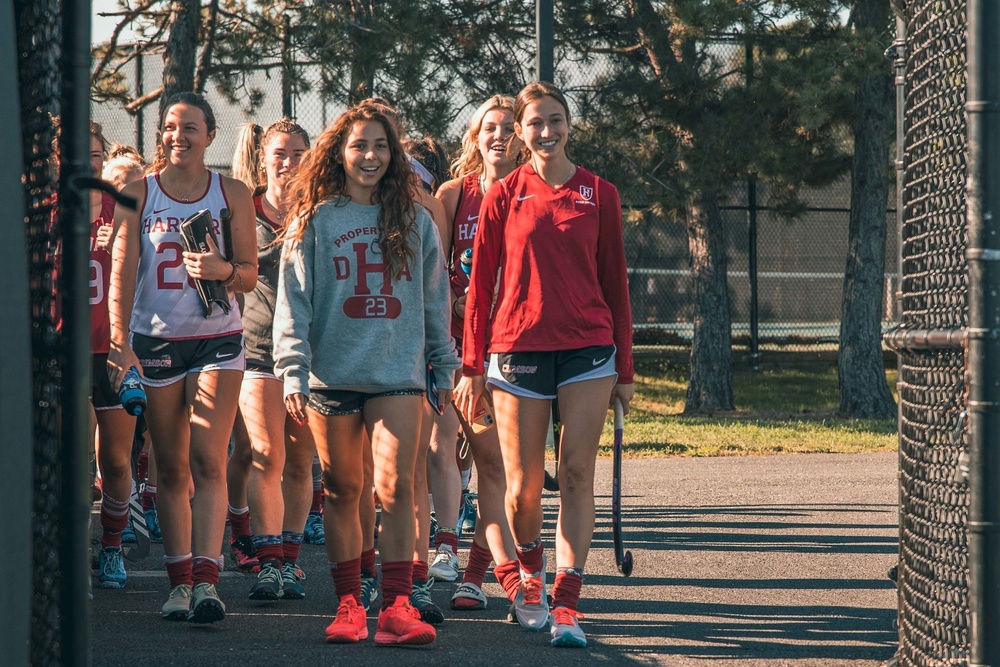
(400, 624)
(350, 624)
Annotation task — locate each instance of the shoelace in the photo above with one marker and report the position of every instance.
(565, 616)
(293, 571)
(180, 592)
(269, 574)
(347, 612)
(532, 590)
(422, 592)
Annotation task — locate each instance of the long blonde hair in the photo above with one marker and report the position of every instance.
(470, 161)
(321, 178)
(248, 158)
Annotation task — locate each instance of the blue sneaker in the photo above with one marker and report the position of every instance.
(369, 589)
(128, 534)
(467, 515)
(111, 568)
(153, 524)
(313, 533)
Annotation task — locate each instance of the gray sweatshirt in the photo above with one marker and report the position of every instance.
(341, 323)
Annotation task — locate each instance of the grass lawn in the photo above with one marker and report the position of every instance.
(792, 410)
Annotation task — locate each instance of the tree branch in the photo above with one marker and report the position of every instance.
(129, 16)
(135, 105)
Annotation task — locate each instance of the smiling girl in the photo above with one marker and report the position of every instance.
(191, 364)
(559, 326)
(362, 310)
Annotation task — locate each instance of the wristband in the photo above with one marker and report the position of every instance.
(232, 276)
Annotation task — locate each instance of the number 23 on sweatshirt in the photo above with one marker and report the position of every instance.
(341, 322)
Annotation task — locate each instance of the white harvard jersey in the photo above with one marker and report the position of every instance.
(166, 301)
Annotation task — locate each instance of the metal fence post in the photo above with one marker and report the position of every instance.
(74, 214)
(752, 233)
(983, 255)
(544, 40)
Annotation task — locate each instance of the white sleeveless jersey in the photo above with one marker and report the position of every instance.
(166, 301)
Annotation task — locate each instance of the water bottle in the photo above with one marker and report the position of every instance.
(465, 261)
(131, 393)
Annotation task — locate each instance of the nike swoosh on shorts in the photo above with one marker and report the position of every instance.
(598, 362)
(220, 355)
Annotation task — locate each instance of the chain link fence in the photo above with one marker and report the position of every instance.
(799, 262)
(933, 575)
(39, 37)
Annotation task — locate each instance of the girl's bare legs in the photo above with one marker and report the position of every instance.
(420, 596)
(238, 512)
(444, 481)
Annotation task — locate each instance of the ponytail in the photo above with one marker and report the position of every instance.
(247, 165)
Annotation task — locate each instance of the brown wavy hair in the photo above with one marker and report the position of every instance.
(321, 179)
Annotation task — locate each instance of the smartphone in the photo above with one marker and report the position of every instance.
(432, 392)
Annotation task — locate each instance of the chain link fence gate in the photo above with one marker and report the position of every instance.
(39, 38)
(933, 573)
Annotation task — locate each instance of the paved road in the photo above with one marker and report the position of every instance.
(739, 561)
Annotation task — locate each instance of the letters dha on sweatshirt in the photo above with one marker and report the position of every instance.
(341, 323)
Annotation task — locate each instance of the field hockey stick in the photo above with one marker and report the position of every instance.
(137, 517)
(623, 559)
(552, 481)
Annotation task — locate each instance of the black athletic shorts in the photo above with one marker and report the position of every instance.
(337, 402)
(167, 361)
(540, 374)
(102, 395)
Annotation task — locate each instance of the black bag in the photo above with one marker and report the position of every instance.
(193, 232)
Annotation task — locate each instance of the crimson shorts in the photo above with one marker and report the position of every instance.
(540, 374)
(165, 362)
(102, 395)
(338, 402)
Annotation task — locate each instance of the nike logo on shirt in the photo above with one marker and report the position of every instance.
(155, 212)
(473, 217)
(520, 198)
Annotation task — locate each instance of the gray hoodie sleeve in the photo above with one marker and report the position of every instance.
(439, 346)
(293, 314)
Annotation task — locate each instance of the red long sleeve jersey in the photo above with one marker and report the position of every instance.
(562, 280)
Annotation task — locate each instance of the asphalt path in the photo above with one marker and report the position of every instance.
(777, 560)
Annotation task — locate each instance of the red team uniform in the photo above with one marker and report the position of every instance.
(561, 286)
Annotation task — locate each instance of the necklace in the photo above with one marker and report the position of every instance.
(279, 215)
(187, 197)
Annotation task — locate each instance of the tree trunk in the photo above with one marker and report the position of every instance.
(366, 59)
(181, 49)
(711, 384)
(864, 392)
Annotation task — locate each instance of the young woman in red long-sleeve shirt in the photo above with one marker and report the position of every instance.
(550, 248)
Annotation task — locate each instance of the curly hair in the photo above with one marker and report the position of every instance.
(321, 178)
(248, 158)
(470, 161)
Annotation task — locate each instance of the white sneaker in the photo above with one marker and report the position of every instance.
(468, 597)
(206, 607)
(566, 630)
(445, 565)
(178, 605)
(531, 605)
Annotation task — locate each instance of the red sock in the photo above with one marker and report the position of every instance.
(270, 553)
(114, 518)
(180, 571)
(368, 561)
(291, 551)
(205, 570)
(508, 577)
(479, 561)
(448, 537)
(149, 497)
(397, 579)
(566, 592)
(531, 558)
(317, 503)
(239, 524)
(347, 578)
(419, 570)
